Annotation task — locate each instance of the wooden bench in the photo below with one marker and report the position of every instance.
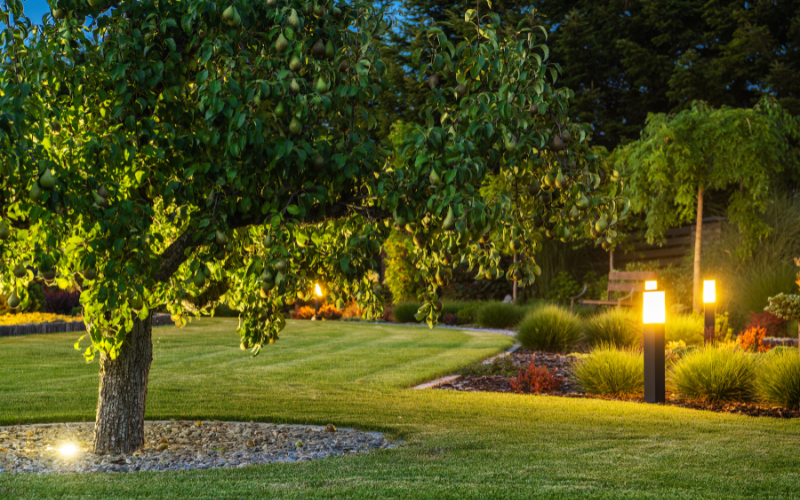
(618, 281)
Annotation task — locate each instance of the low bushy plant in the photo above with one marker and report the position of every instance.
(549, 328)
(36, 299)
(718, 373)
(503, 365)
(58, 301)
(752, 340)
(450, 319)
(686, 327)
(500, 315)
(536, 379)
(469, 313)
(774, 326)
(778, 378)
(609, 371)
(405, 311)
(618, 326)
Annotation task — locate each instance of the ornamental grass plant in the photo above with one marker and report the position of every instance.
(617, 326)
(778, 378)
(550, 328)
(609, 371)
(500, 315)
(405, 311)
(717, 373)
(684, 327)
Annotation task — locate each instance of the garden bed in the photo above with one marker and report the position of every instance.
(497, 377)
(64, 326)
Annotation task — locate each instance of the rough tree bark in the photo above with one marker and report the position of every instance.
(698, 243)
(119, 426)
(514, 298)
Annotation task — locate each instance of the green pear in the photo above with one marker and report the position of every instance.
(561, 181)
(99, 200)
(601, 224)
(583, 202)
(102, 191)
(433, 81)
(294, 20)
(434, 178)
(511, 144)
(295, 64)
(280, 265)
(231, 16)
(450, 220)
(295, 126)
(279, 109)
(549, 180)
(330, 51)
(59, 13)
(20, 271)
(318, 49)
(566, 136)
(47, 181)
(534, 188)
(199, 280)
(13, 300)
(461, 90)
(319, 10)
(281, 43)
(344, 66)
(221, 238)
(534, 109)
(557, 144)
(5, 232)
(319, 161)
(322, 85)
(294, 87)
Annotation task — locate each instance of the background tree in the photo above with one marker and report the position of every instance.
(731, 155)
(626, 58)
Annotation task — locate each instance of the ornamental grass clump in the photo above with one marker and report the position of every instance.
(610, 371)
(549, 328)
(684, 327)
(500, 315)
(404, 312)
(719, 373)
(778, 379)
(617, 326)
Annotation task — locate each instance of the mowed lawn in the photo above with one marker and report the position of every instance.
(452, 445)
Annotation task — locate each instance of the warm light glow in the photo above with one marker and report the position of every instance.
(709, 291)
(318, 290)
(654, 311)
(651, 285)
(68, 450)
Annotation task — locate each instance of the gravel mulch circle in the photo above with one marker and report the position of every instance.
(178, 445)
(474, 381)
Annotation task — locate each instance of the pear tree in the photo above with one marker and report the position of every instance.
(173, 154)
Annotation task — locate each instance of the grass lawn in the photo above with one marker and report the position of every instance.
(454, 445)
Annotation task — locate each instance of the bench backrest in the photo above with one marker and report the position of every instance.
(624, 281)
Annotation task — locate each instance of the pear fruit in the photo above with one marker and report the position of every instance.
(59, 13)
(281, 43)
(461, 90)
(561, 181)
(36, 192)
(5, 232)
(583, 202)
(47, 181)
(515, 245)
(450, 220)
(601, 224)
(89, 273)
(557, 144)
(545, 197)
(319, 10)
(330, 51)
(295, 64)
(434, 178)
(294, 20)
(322, 85)
(271, 3)
(606, 245)
(318, 49)
(294, 87)
(102, 191)
(574, 214)
(511, 144)
(295, 126)
(20, 271)
(566, 136)
(534, 109)
(344, 66)
(537, 221)
(231, 16)
(221, 238)
(49, 275)
(433, 81)
(199, 280)
(280, 265)
(279, 109)
(534, 188)
(99, 200)
(549, 180)
(319, 161)
(13, 300)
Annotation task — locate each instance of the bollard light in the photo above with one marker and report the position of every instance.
(709, 307)
(650, 285)
(654, 317)
(317, 301)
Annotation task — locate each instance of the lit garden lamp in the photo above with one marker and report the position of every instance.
(709, 299)
(653, 318)
(317, 300)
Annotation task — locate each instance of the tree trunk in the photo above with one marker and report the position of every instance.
(119, 427)
(698, 244)
(516, 283)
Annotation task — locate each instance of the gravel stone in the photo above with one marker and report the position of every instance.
(178, 445)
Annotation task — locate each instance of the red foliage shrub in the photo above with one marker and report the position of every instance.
(774, 325)
(752, 339)
(536, 379)
(352, 310)
(327, 311)
(450, 319)
(59, 301)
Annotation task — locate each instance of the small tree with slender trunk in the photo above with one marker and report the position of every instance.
(681, 158)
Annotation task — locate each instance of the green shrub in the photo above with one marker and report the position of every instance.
(500, 315)
(686, 327)
(778, 378)
(562, 287)
(400, 270)
(549, 328)
(225, 311)
(720, 373)
(404, 312)
(36, 300)
(503, 365)
(469, 313)
(617, 326)
(610, 371)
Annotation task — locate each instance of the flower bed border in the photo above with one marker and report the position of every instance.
(64, 326)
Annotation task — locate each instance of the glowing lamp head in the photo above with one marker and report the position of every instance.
(709, 291)
(68, 450)
(654, 309)
(318, 290)
(651, 285)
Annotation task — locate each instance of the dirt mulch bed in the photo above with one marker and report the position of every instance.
(562, 365)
